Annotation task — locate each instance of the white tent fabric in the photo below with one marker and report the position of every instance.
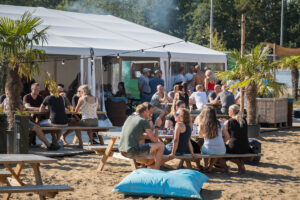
(73, 33)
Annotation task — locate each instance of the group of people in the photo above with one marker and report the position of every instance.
(60, 111)
(195, 92)
(140, 135)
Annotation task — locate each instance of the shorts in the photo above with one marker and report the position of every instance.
(141, 150)
(47, 122)
(88, 122)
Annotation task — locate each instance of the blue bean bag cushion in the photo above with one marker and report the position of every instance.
(182, 183)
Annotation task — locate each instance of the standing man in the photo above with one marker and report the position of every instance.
(144, 87)
(132, 137)
(157, 80)
(199, 77)
(33, 100)
(189, 78)
(179, 78)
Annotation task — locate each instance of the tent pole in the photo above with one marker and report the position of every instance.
(81, 69)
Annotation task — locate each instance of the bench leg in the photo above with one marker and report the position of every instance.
(16, 175)
(107, 153)
(38, 178)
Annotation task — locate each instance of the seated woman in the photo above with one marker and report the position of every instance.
(181, 142)
(121, 90)
(183, 94)
(172, 93)
(87, 105)
(170, 118)
(212, 131)
(238, 131)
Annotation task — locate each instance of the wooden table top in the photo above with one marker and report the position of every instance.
(26, 158)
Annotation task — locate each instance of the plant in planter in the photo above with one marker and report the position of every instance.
(292, 63)
(253, 72)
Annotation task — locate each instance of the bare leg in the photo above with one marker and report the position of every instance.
(157, 149)
(206, 163)
(78, 134)
(63, 137)
(90, 134)
(240, 164)
(40, 134)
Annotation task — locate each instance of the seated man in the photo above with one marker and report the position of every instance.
(159, 97)
(199, 98)
(32, 127)
(212, 96)
(62, 93)
(33, 100)
(132, 132)
(226, 99)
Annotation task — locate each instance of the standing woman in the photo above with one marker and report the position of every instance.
(212, 131)
(181, 142)
(209, 82)
(87, 105)
(238, 131)
(121, 90)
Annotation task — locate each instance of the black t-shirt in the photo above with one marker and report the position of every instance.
(238, 142)
(57, 109)
(2, 97)
(33, 102)
(171, 118)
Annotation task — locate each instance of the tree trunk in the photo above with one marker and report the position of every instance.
(251, 94)
(295, 80)
(14, 88)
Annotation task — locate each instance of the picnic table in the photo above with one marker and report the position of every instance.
(15, 183)
(112, 147)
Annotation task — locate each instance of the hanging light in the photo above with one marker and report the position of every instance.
(143, 51)
(164, 46)
(118, 56)
(63, 62)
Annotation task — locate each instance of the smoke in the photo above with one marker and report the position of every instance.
(152, 13)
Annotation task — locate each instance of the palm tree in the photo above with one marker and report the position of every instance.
(17, 40)
(292, 62)
(253, 71)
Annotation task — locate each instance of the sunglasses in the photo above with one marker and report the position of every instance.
(176, 114)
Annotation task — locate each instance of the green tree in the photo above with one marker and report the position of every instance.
(17, 40)
(253, 71)
(292, 63)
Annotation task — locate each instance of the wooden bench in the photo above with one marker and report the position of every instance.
(45, 190)
(187, 158)
(100, 149)
(81, 128)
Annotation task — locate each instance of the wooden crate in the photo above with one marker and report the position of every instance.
(272, 110)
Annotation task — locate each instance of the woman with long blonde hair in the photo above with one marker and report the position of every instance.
(212, 130)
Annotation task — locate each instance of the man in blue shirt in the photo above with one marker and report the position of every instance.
(157, 80)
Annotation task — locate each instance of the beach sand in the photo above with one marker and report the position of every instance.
(277, 176)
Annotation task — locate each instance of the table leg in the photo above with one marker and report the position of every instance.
(16, 174)
(38, 178)
(107, 153)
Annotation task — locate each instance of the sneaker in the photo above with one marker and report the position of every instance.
(53, 147)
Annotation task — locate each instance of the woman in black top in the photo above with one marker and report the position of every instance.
(183, 94)
(121, 90)
(238, 131)
(170, 118)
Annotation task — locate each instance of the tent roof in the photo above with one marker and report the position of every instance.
(74, 33)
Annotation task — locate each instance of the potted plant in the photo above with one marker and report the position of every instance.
(253, 72)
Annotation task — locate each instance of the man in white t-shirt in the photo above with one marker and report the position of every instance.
(199, 98)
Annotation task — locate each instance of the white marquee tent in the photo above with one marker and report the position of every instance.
(73, 33)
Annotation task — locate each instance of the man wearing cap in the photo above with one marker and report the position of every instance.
(144, 87)
(157, 80)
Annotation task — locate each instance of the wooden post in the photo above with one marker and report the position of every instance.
(242, 54)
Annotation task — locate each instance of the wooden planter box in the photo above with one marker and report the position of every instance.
(272, 110)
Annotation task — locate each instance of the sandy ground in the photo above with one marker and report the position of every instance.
(277, 177)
